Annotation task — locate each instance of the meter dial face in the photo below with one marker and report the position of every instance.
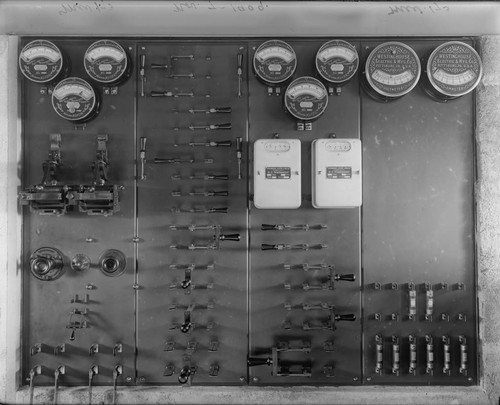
(274, 62)
(392, 69)
(74, 99)
(337, 61)
(306, 98)
(454, 69)
(41, 61)
(106, 61)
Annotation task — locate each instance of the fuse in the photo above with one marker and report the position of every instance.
(379, 348)
(429, 355)
(412, 302)
(429, 303)
(395, 355)
(463, 354)
(412, 369)
(446, 355)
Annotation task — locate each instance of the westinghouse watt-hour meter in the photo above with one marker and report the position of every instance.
(453, 70)
(277, 173)
(392, 70)
(336, 173)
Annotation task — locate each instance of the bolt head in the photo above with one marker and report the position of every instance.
(128, 379)
(255, 379)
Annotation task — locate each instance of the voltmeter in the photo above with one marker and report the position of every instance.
(274, 62)
(106, 62)
(337, 61)
(453, 70)
(41, 61)
(336, 173)
(277, 173)
(75, 100)
(306, 98)
(391, 70)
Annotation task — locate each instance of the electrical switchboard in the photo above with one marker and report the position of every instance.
(234, 212)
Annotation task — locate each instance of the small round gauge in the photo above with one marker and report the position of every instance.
(42, 61)
(453, 70)
(306, 98)
(112, 262)
(47, 263)
(392, 70)
(106, 62)
(337, 61)
(274, 62)
(75, 100)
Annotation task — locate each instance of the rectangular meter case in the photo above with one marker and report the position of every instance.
(336, 173)
(277, 170)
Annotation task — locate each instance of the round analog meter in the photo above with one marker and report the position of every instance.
(42, 61)
(274, 62)
(75, 100)
(392, 70)
(453, 70)
(106, 62)
(306, 98)
(337, 61)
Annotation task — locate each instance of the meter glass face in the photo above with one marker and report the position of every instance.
(41, 61)
(392, 69)
(454, 69)
(306, 98)
(274, 62)
(105, 61)
(337, 61)
(74, 99)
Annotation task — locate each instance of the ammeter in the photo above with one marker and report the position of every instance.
(392, 70)
(106, 62)
(41, 61)
(274, 62)
(277, 171)
(453, 70)
(337, 61)
(336, 173)
(306, 98)
(75, 100)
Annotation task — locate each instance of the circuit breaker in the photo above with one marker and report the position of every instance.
(293, 211)
(336, 173)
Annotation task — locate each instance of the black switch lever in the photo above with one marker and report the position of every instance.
(345, 277)
(232, 236)
(185, 373)
(259, 361)
(345, 317)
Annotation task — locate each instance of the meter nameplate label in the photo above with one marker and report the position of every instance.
(336, 173)
(339, 172)
(278, 173)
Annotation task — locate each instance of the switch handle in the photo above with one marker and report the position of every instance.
(267, 227)
(266, 246)
(219, 177)
(161, 94)
(222, 210)
(259, 361)
(236, 237)
(345, 317)
(222, 143)
(221, 110)
(226, 125)
(219, 193)
(345, 277)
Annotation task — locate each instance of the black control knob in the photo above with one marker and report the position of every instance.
(184, 375)
(186, 327)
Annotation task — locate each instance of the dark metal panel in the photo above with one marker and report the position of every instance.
(418, 227)
(47, 305)
(162, 301)
(268, 315)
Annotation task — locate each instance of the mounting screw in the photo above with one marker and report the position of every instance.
(142, 379)
(89, 239)
(368, 378)
(255, 379)
(355, 378)
(242, 379)
(128, 379)
(136, 239)
(136, 286)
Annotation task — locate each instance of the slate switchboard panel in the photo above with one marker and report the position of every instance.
(146, 261)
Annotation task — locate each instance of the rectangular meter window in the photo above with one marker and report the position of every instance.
(336, 173)
(277, 172)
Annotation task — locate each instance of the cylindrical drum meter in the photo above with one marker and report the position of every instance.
(41, 61)
(337, 62)
(391, 70)
(274, 62)
(453, 69)
(106, 62)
